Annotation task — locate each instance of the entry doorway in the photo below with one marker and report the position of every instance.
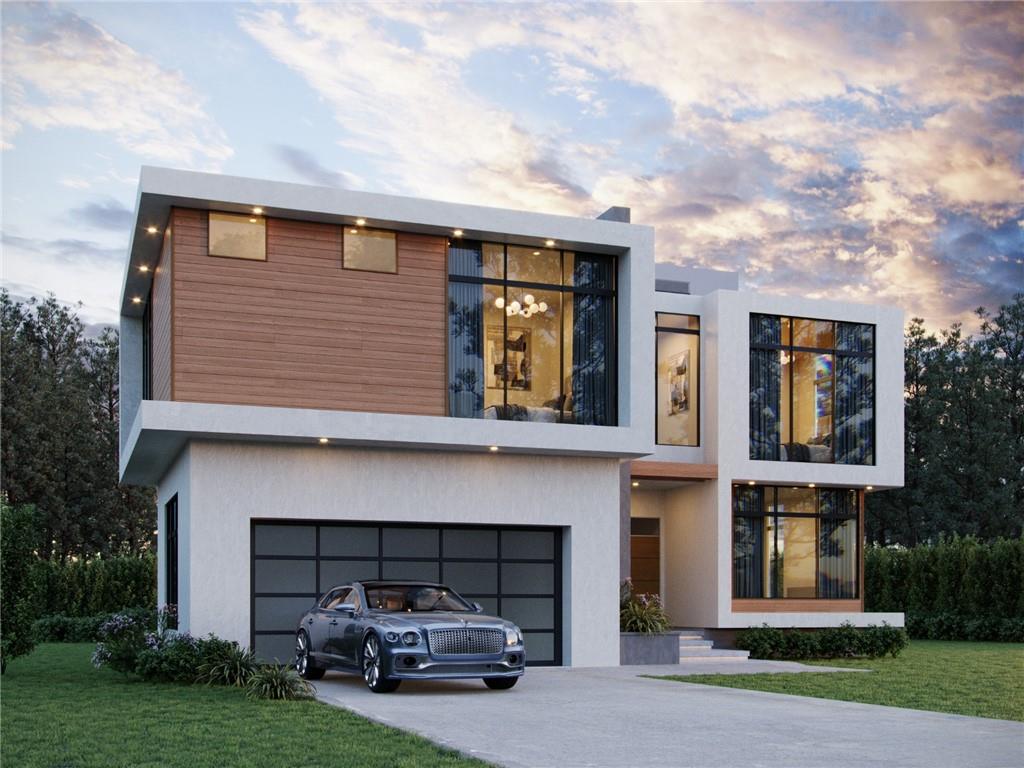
(645, 554)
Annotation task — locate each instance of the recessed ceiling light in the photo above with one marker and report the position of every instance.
(323, 441)
(636, 483)
(750, 482)
(136, 300)
(361, 222)
(143, 268)
(152, 230)
(457, 233)
(536, 253)
(257, 210)
(253, 220)
(549, 243)
(870, 487)
(493, 449)
(810, 485)
(354, 231)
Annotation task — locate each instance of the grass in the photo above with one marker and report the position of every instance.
(57, 711)
(980, 679)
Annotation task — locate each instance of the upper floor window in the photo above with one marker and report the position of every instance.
(371, 250)
(678, 380)
(812, 390)
(531, 334)
(237, 236)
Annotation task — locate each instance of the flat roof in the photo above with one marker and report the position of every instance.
(161, 189)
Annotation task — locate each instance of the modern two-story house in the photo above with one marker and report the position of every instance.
(327, 385)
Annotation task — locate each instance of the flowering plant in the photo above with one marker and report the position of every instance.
(640, 612)
(123, 636)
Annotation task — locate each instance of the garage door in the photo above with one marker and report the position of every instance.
(514, 572)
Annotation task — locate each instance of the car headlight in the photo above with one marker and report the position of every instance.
(391, 637)
(512, 636)
(411, 638)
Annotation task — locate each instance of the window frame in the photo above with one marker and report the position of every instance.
(147, 347)
(346, 231)
(266, 237)
(700, 371)
(563, 289)
(836, 353)
(768, 510)
(171, 571)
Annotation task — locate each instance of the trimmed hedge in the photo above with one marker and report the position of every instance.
(86, 588)
(844, 641)
(955, 589)
(83, 629)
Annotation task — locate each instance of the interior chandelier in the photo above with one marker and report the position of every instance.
(528, 307)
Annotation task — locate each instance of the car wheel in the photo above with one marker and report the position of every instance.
(500, 683)
(373, 667)
(304, 663)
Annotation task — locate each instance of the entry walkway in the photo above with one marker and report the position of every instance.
(610, 717)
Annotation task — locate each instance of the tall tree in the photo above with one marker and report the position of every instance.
(59, 433)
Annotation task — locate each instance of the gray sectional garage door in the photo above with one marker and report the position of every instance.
(514, 572)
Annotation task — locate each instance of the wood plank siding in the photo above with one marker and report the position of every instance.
(297, 330)
(795, 605)
(161, 310)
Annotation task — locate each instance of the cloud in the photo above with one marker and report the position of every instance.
(63, 71)
(107, 215)
(309, 168)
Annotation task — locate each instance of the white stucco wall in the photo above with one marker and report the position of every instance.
(177, 481)
(235, 482)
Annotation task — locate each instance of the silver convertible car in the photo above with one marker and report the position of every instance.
(389, 631)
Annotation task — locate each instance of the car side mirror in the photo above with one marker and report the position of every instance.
(346, 608)
(478, 608)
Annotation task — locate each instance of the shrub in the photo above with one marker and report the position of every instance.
(276, 681)
(640, 612)
(227, 664)
(121, 639)
(100, 585)
(83, 629)
(173, 658)
(18, 589)
(834, 642)
(763, 642)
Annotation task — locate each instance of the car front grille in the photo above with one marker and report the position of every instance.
(448, 642)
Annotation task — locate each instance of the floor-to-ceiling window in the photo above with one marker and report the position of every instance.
(531, 334)
(795, 542)
(677, 420)
(812, 395)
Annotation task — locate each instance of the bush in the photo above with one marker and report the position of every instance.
(100, 585)
(955, 589)
(275, 681)
(171, 659)
(227, 664)
(640, 612)
(18, 588)
(834, 642)
(83, 629)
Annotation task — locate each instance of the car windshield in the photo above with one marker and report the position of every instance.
(414, 597)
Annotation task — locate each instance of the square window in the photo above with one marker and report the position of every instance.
(237, 236)
(370, 250)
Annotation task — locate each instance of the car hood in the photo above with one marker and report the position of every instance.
(439, 620)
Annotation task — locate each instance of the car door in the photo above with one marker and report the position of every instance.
(335, 622)
(349, 631)
(318, 622)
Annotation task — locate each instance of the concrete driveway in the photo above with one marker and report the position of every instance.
(610, 717)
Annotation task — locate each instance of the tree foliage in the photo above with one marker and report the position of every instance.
(17, 581)
(59, 437)
(964, 435)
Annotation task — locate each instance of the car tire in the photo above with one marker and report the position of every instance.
(371, 662)
(305, 664)
(500, 683)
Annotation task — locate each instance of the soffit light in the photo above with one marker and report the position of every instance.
(257, 210)
(750, 482)
(810, 485)
(493, 449)
(323, 441)
(136, 300)
(457, 233)
(360, 222)
(549, 243)
(152, 230)
(143, 268)
(354, 231)
(636, 483)
(253, 220)
(870, 488)
(528, 307)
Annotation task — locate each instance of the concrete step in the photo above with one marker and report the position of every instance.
(695, 643)
(696, 654)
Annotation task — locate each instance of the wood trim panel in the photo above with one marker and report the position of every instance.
(162, 322)
(672, 470)
(796, 606)
(298, 330)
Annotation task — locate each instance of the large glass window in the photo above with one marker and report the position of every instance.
(677, 420)
(531, 334)
(795, 542)
(812, 392)
(237, 236)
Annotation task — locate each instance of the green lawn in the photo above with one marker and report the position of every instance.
(56, 710)
(981, 679)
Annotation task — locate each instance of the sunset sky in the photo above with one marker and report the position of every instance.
(863, 152)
